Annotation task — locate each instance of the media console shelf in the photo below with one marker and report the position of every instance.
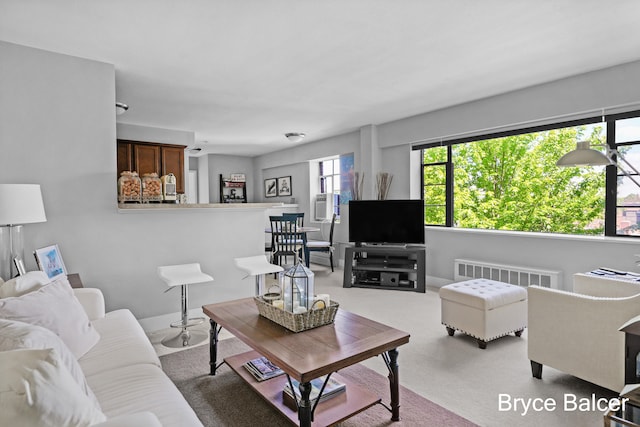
(385, 267)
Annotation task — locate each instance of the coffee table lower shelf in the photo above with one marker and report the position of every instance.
(355, 399)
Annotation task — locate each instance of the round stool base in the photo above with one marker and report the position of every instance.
(185, 338)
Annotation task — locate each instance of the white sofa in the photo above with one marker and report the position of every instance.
(122, 369)
(578, 332)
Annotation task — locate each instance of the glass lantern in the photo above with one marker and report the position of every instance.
(297, 286)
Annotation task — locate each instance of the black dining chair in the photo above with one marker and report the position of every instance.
(286, 239)
(298, 216)
(322, 245)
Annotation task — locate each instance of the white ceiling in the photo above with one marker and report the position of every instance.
(241, 73)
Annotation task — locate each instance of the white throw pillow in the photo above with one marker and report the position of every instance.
(55, 307)
(16, 335)
(21, 285)
(37, 390)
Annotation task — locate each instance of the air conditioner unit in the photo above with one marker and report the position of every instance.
(324, 206)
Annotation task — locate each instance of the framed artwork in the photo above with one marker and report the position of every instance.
(284, 186)
(270, 187)
(50, 261)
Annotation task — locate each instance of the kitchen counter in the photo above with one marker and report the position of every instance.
(152, 207)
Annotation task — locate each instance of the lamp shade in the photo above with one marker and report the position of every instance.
(21, 204)
(584, 155)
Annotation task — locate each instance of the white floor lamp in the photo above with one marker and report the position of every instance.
(19, 204)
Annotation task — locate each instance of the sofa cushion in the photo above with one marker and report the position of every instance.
(16, 335)
(36, 389)
(23, 284)
(54, 307)
(122, 343)
(146, 419)
(139, 388)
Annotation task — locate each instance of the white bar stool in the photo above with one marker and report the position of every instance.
(257, 266)
(183, 275)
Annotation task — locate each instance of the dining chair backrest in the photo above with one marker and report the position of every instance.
(333, 223)
(285, 236)
(298, 216)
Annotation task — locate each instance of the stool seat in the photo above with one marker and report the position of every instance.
(183, 275)
(257, 266)
(254, 265)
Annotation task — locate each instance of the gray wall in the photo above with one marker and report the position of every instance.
(58, 129)
(154, 134)
(295, 162)
(226, 165)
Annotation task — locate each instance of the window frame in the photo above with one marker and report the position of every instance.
(336, 175)
(611, 171)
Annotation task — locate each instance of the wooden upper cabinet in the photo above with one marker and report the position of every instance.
(125, 157)
(149, 157)
(173, 162)
(146, 159)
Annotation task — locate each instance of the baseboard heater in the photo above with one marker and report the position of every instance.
(465, 269)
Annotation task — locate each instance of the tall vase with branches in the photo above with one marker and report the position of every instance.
(357, 182)
(383, 183)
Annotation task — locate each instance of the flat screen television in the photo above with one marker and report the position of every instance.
(386, 221)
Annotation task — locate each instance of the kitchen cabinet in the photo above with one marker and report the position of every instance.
(125, 157)
(150, 157)
(146, 159)
(173, 162)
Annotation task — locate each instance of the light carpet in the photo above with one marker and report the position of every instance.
(226, 400)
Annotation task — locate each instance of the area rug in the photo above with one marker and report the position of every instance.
(225, 400)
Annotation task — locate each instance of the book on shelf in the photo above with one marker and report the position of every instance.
(262, 369)
(332, 389)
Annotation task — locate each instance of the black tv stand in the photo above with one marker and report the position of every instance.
(385, 267)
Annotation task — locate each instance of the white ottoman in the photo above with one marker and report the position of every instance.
(485, 309)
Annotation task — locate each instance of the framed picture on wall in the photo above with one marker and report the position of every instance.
(50, 261)
(270, 187)
(284, 186)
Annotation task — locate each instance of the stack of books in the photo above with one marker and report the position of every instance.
(332, 389)
(262, 369)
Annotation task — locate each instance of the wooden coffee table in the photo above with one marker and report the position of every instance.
(307, 355)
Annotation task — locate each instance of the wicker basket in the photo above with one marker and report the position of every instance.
(297, 322)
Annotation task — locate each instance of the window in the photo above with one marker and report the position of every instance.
(329, 175)
(510, 181)
(434, 173)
